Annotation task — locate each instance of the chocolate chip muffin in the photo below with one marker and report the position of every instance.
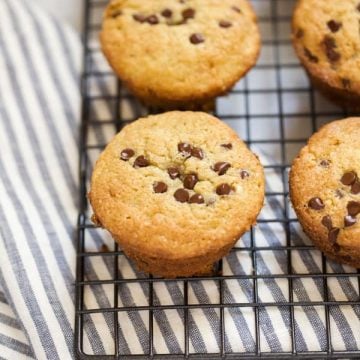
(325, 190)
(180, 54)
(176, 191)
(326, 39)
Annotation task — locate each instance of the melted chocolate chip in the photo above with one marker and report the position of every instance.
(185, 149)
(353, 208)
(167, 13)
(327, 222)
(310, 55)
(159, 187)
(181, 195)
(358, 7)
(334, 25)
(330, 46)
(197, 199)
(188, 13)
(236, 9)
(339, 194)
(225, 24)
(198, 153)
(173, 172)
(223, 189)
(221, 167)
(336, 247)
(348, 178)
(127, 154)
(139, 18)
(197, 38)
(333, 235)
(355, 188)
(325, 163)
(227, 146)
(190, 181)
(244, 174)
(141, 161)
(152, 19)
(316, 204)
(349, 220)
(116, 13)
(299, 33)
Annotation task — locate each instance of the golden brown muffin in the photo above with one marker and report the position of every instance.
(177, 191)
(326, 39)
(325, 190)
(180, 54)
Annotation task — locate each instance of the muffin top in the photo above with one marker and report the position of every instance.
(180, 49)
(325, 185)
(179, 184)
(326, 39)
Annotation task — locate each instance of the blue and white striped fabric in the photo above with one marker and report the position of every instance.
(39, 120)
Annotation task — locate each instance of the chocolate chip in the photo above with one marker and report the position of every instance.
(235, 8)
(353, 208)
(198, 153)
(355, 188)
(197, 199)
(358, 7)
(196, 38)
(333, 235)
(327, 222)
(346, 83)
(244, 174)
(339, 194)
(181, 195)
(325, 163)
(334, 25)
(173, 172)
(310, 55)
(139, 18)
(116, 13)
(127, 154)
(316, 204)
(227, 146)
(221, 167)
(330, 46)
(185, 149)
(223, 189)
(104, 248)
(349, 220)
(190, 181)
(167, 13)
(159, 187)
(188, 13)
(141, 161)
(225, 24)
(152, 19)
(348, 178)
(299, 33)
(336, 247)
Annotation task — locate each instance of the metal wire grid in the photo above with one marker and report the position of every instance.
(273, 21)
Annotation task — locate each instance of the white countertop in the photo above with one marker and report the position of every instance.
(66, 10)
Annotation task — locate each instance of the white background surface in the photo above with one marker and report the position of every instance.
(66, 10)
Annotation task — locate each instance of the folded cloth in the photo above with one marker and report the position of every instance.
(39, 111)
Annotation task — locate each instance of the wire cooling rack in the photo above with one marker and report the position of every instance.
(274, 296)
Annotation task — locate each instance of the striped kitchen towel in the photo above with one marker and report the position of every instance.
(39, 122)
